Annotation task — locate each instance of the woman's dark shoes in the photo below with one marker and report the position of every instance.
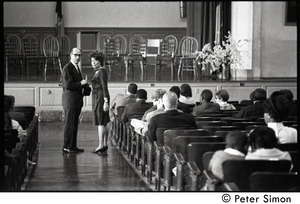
(103, 151)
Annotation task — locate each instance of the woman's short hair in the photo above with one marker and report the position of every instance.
(186, 90)
(176, 90)
(223, 94)
(277, 106)
(262, 137)
(259, 94)
(98, 56)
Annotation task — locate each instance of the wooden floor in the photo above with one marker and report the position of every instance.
(57, 171)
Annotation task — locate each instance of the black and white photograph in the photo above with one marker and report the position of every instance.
(151, 97)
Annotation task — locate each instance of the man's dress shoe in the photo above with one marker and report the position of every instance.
(69, 150)
(78, 149)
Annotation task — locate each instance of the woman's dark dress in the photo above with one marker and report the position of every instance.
(100, 91)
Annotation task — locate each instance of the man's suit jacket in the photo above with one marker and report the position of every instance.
(255, 110)
(72, 90)
(122, 100)
(170, 119)
(206, 108)
(137, 108)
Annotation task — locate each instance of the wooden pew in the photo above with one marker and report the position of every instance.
(237, 172)
(195, 156)
(180, 157)
(274, 181)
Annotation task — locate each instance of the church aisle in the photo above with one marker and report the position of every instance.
(57, 171)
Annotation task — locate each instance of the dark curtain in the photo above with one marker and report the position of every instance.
(202, 22)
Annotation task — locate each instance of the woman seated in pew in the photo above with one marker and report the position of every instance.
(206, 106)
(222, 97)
(12, 124)
(277, 109)
(8, 122)
(262, 145)
(290, 96)
(15, 115)
(254, 110)
(186, 95)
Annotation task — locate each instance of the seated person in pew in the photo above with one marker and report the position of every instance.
(123, 99)
(15, 115)
(206, 105)
(12, 124)
(141, 126)
(262, 145)
(137, 108)
(9, 123)
(255, 110)
(277, 109)
(158, 93)
(289, 95)
(222, 97)
(236, 142)
(180, 106)
(186, 95)
(172, 118)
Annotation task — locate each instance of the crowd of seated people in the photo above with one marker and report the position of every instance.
(258, 143)
(141, 126)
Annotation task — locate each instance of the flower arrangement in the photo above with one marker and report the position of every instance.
(220, 57)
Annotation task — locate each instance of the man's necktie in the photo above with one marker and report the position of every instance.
(77, 67)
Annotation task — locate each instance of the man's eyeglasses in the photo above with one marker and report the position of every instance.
(77, 55)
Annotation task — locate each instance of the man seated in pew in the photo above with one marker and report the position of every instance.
(172, 118)
(262, 146)
(123, 99)
(254, 110)
(276, 110)
(158, 93)
(206, 106)
(180, 106)
(15, 115)
(137, 108)
(236, 142)
(141, 126)
(222, 97)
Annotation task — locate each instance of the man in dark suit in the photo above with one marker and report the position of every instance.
(206, 105)
(172, 118)
(72, 100)
(137, 108)
(124, 99)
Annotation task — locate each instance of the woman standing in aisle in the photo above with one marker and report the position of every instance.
(100, 101)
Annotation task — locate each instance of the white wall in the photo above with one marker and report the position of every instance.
(94, 14)
(279, 42)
